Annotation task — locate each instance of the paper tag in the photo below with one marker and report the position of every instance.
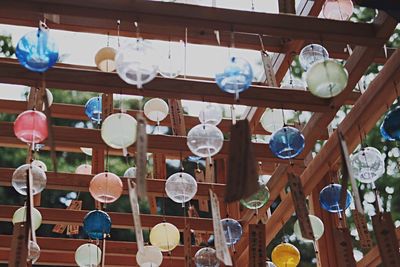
(349, 171)
(141, 157)
(107, 105)
(187, 242)
(136, 213)
(159, 169)
(29, 217)
(268, 70)
(219, 237)
(344, 248)
(177, 118)
(300, 205)
(257, 244)
(287, 6)
(200, 237)
(362, 229)
(19, 246)
(386, 239)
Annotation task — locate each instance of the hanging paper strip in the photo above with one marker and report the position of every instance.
(47, 111)
(199, 237)
(141, 157)
(268, 69)
(242, 169)
(257, 245)
(300, 205)
(287, 6)
(359, 217)
(187, 235)
(362, 229)
(133, 199)
(19, 246)
(343, 247)
(219, 237)
(177, 118)
(386, 238)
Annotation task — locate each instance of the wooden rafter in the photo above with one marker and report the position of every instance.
(68, 137)
(61, 252)
(171, 19)
(81, 78)
(119, 220)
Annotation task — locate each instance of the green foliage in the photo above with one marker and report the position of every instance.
(6, 47)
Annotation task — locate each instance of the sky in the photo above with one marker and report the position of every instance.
(201, 60)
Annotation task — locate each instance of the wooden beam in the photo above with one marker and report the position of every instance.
(80, 183)
(68, 137)
(367, 110)
(119, 220)
(156, 18)
(81, 78)
(60, 252)
(373, 258)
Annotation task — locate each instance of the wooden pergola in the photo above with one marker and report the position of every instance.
(284, 34)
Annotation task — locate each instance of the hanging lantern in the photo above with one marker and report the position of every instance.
(337, 9)
(270, 264)
(206, 257)
(136, 63)
(285, 255)
(258, 199)
(326, 78)
(31, 127)
(88, 255)
(329, 197)
(316, 224)
(181, 187)
(311, 54)
(93, 109)
(150, 256)
(105, 59)
(84, 169)
(119, 130)
(97, 224)
(368, 165)
(36, 50)
(20, 216)
(106, 187)
(287, 142)
(236, 77)
(165, 236)
(232, 230)
(156, 109)
(272, 120)
(87, 151)
(171, 63)
(390, 127)
(19, 177)
(40, 164)
(33, 252)
(205, 140)
(211, 114)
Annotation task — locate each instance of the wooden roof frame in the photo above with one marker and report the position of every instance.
(282, 33)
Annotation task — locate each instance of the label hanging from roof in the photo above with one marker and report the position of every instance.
(268, 70)
(257, 244)
(141, 157)
(219, 237)
(133, 199)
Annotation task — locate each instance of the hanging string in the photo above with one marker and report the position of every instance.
(252, 5)
(118, 29)
(185, 53)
